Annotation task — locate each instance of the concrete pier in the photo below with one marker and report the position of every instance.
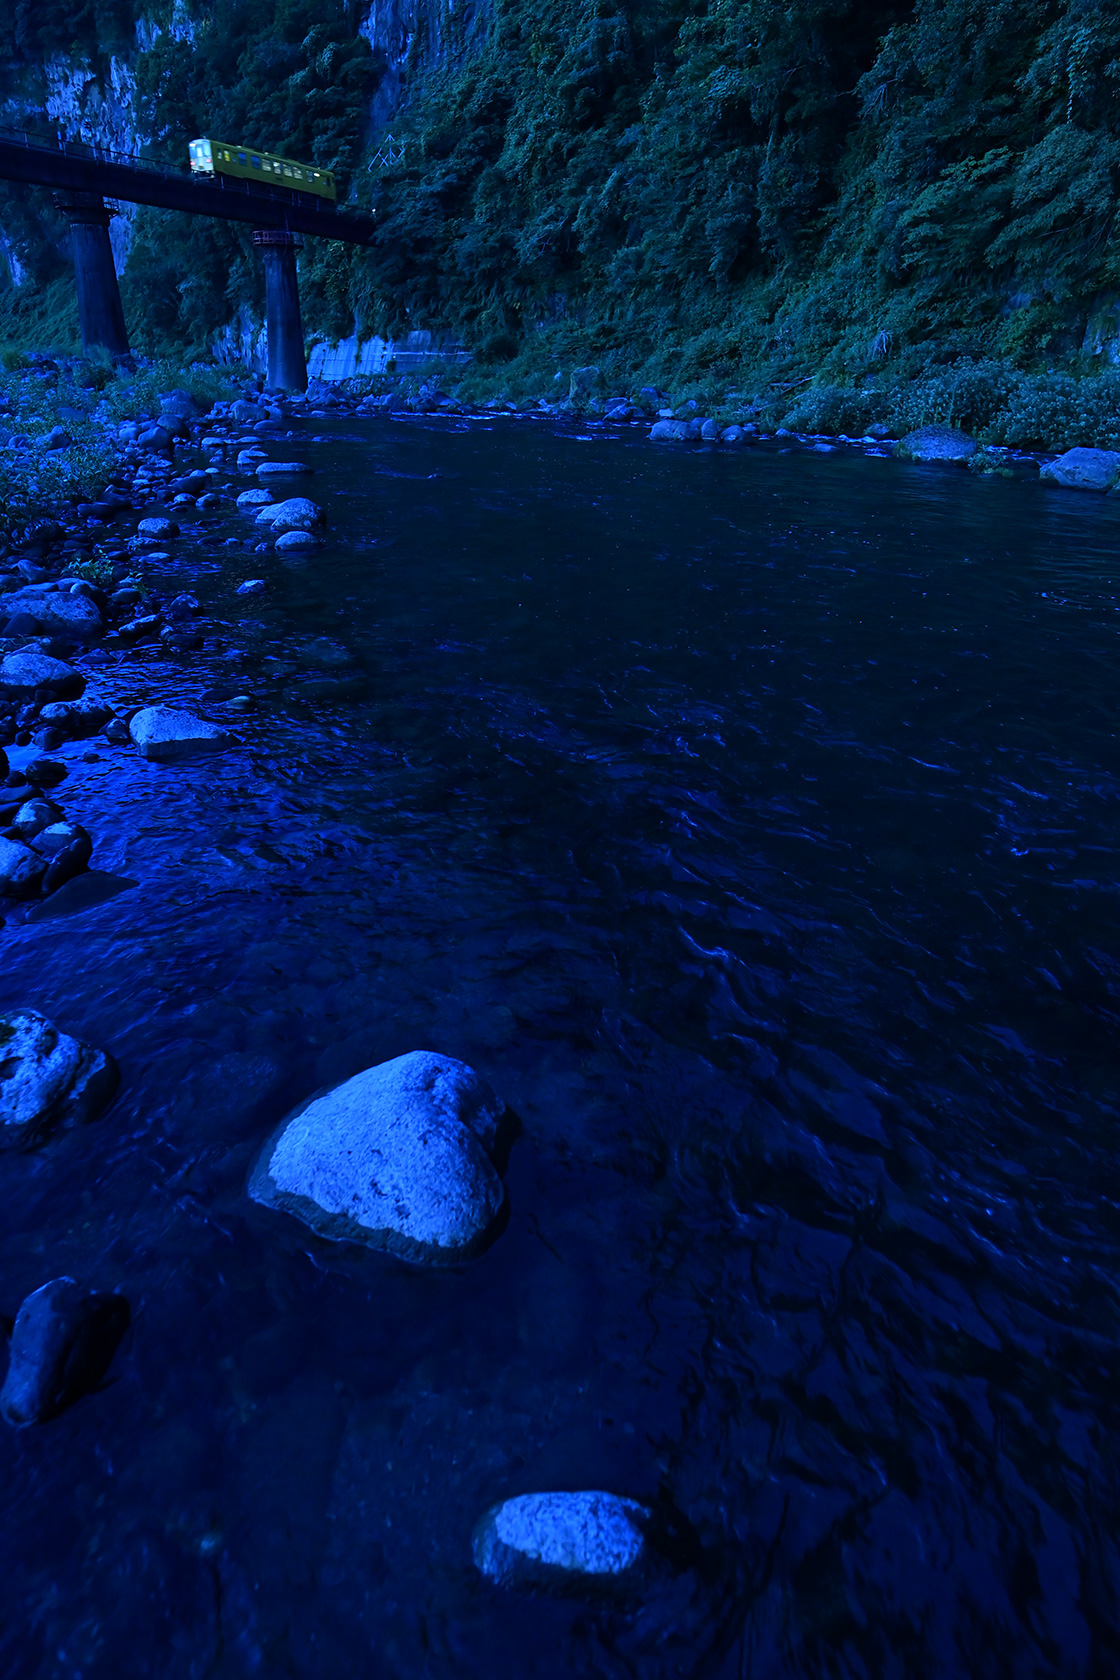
(99, 296)
(287, 366)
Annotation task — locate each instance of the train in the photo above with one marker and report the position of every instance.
(216, 157)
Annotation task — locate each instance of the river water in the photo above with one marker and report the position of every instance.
(750, 820)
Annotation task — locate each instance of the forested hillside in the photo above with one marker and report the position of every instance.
(737, 189)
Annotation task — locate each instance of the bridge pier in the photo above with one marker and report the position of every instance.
(100, 311)
(287, 365)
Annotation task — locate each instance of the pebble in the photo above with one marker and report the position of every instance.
(397, 1157)
(63, 1342)
(51, 1079)
(561, 1539)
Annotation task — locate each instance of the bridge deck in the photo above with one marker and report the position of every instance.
(69, 166)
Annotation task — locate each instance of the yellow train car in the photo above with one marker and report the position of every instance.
(215, 157)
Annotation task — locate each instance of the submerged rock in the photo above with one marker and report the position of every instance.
(1084, 469)
(63, 1343)
(936, 443)
(276, 469)
(163, 734)
(47, 1078)
(24, 672)
(561, 1540)
(295, 514)
(398, 1158)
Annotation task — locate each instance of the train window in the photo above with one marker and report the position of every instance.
(241, 158)
(256, 162)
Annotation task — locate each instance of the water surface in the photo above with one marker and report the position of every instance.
(750, 820)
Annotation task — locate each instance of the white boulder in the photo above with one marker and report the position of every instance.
(1084, 469)
(165, 735)
(47, 1078)
(255, 498)
(561, 1539)
(295, 514)
(28, 670)
(398, 1158)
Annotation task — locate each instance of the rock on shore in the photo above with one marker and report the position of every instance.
(47, 1078)
(936, 443)
(398, 1158)
(1084, 469)
(561, 1540)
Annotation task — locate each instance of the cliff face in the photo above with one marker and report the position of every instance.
(846, 187)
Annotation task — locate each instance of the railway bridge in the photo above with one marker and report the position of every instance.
(84, 176)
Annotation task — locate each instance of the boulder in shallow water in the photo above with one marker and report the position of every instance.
(165, 735)
(47, 1078)
(295, 514)
(562, 1540)
(399, 1157)
(669, 431)
(158, 526)
(56, 611)
(295, 539)
(1084, 469)
(282, 469)
(21, 870)
(936, 443)
(63, 1343)
(22, 673)
(255, 498)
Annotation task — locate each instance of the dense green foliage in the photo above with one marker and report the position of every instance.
(733, 192)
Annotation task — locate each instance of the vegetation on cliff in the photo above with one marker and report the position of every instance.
(735, 192)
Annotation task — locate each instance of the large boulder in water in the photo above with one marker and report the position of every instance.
(56, 611)
(297, 513)
(63, 1343)
(562, 1540)
(166, 735)
(25, 672)
(399, 1157)
(936, 443)
(669, 431)
(47, 1078)
(1084, 469)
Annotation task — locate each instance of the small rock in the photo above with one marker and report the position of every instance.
(55, 837)
(58, 438)
(398, 1158)
(155, 437)
(183, 608)
(157, 527)
(33, 816)
(242, 703)
(252, 586)
(47, 1078)
(668, 431)
(249, 457)
(116, 732)
(277, 469)
(45, 772)
(24, 672)
(21, 870)
(934, 443)
(1084, 469)
(63, 1343)
(294, 514)
(561, 1540)
(295, 539)
(165, 735)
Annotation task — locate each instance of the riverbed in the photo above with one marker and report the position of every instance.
(750, 820)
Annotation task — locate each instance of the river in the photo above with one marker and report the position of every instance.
(750, 820)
